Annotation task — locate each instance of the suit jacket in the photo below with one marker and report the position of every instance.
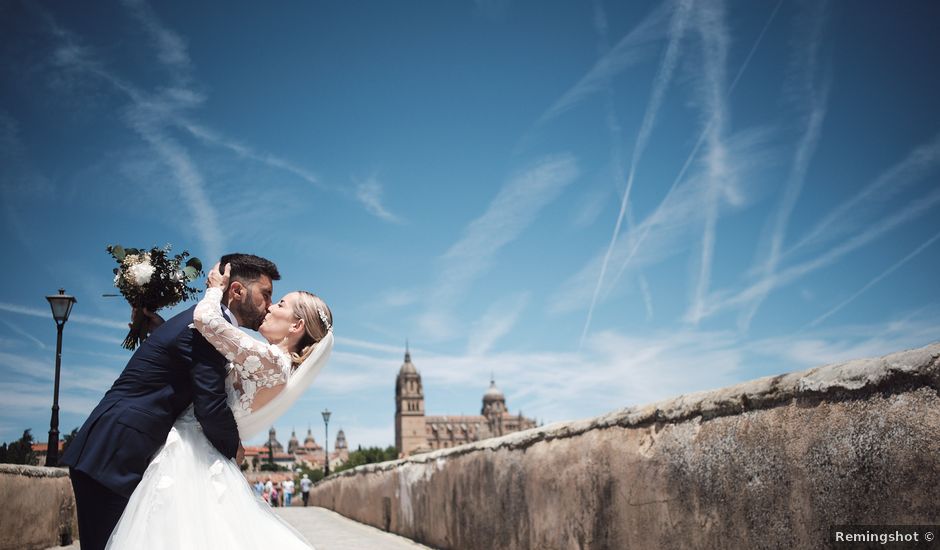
(174, 367)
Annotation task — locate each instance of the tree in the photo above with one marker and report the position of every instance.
(67, 439)
(369, 455)
(21, 451)
(315, 474)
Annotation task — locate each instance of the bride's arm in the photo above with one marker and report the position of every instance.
(253, 360)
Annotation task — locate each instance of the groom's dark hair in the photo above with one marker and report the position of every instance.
(248, 267)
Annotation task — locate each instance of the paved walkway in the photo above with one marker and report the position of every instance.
(327, 530)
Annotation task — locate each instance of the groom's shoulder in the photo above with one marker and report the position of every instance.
(178, 335)
(176, 326)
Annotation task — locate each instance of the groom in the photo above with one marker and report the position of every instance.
(173, 368)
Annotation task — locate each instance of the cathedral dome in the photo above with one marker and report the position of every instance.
(310, 441)
(493, 393)
(408, 367)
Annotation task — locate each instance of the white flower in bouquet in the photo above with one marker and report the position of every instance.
(140, 274)
(153, 280)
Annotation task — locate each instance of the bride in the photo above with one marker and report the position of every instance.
(191, 496)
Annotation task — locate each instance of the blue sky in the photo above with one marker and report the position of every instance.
(601, 203)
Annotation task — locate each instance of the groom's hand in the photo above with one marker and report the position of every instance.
(240, 454)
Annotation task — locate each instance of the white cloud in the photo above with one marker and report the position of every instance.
(170, 46)
(668, 230)
(214, 138)
(498, 320)
(813, 101)
(149, 115)
(723, 300)
(660, 84)
(369, 193)
(630, 50)
(76, 317)
(36, 341)
(715, 41)
(514, 208)
(399, 298)
(897, 265)
(867, 205)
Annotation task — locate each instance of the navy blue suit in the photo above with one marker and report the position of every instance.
(173, 368)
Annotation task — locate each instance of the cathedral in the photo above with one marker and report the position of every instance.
(310, 453)
(417, 433)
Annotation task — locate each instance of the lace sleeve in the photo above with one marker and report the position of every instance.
(253, 361)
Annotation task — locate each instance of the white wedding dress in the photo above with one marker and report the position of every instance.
(191, 496)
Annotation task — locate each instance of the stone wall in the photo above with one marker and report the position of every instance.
(37, 507)
(771, 463)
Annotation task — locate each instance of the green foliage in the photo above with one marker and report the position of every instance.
(315, 474)
(67, 440)
(369, 455)
(20, 451)
(272, 467)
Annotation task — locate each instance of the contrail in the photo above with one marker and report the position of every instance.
(805, 151)
(715, 41)
(698, 144)
(663, 77)
(874, 281)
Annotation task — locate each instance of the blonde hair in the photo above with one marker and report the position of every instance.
(318, 320)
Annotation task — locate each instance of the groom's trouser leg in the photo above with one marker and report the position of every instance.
(99, 510)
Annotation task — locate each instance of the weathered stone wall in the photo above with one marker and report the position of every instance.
(771, 463)
(37, 507)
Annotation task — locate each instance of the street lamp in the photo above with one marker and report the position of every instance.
(61, 305)
(326, 442)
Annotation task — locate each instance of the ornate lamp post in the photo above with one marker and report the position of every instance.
(326, 442)
(61, 304)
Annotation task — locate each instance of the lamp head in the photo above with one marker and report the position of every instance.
(61, 305)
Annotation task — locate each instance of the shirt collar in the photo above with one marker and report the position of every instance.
(231, 317)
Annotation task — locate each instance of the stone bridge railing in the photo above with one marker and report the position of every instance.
(37, 508)
(772, 463)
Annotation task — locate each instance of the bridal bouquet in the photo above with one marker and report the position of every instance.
(152, 279)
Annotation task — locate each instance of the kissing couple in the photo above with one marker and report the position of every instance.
(156, 464)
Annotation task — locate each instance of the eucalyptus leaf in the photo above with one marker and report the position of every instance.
(190, 272)
(118, 252)
(132, 251)
(195, 263)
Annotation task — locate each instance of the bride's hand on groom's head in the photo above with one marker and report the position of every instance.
(218, 278)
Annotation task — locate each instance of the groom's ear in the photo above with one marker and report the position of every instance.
(236, 291)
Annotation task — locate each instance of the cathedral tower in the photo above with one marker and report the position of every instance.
(342, 448)
(293, 444)
(494, 407)
(409, 409)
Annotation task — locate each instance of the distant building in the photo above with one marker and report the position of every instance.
(415, 432)
(42, 449)
(310, 453)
